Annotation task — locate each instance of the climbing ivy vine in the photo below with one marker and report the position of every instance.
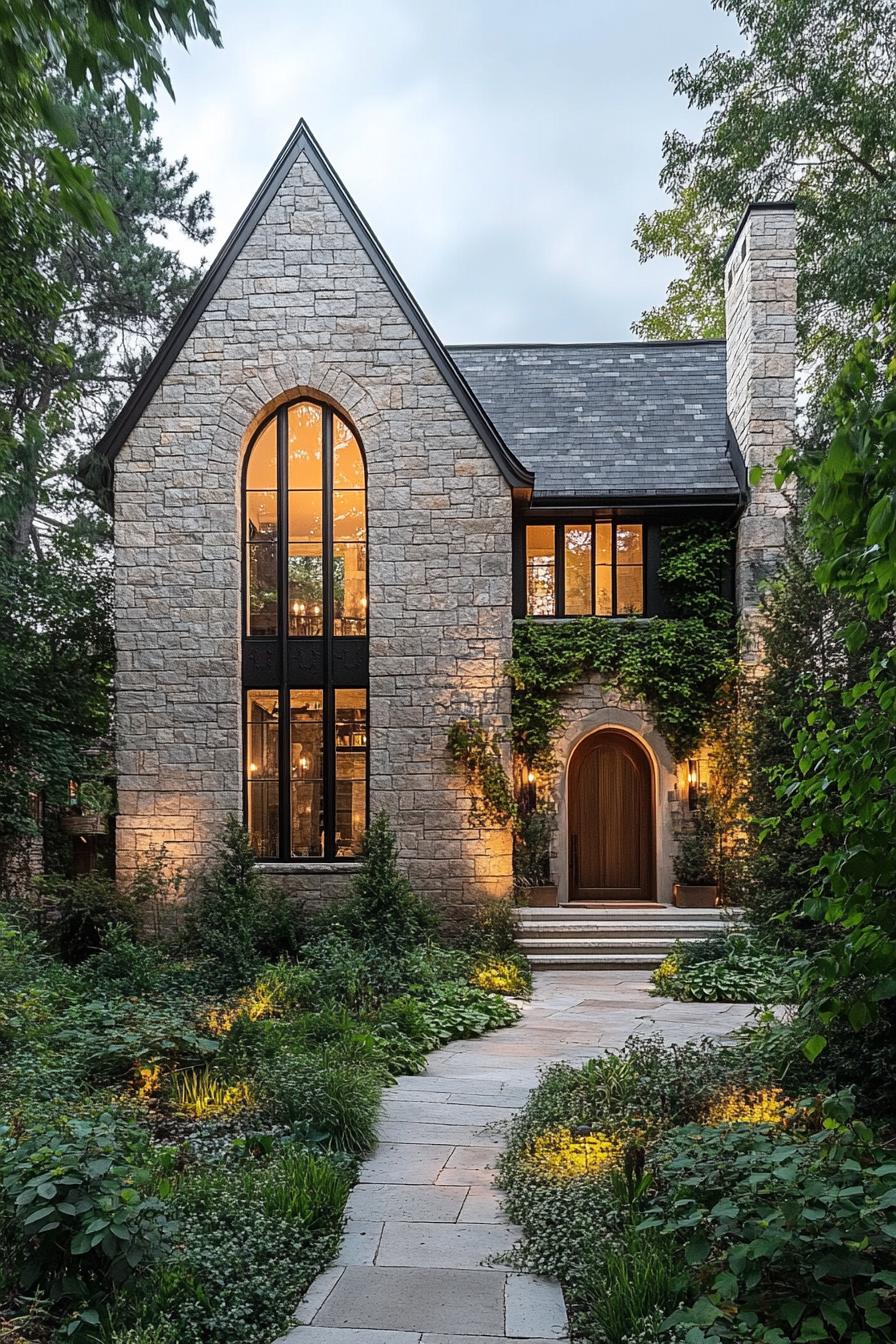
(676, 664)
(478, 752)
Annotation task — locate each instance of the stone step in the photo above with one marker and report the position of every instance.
(597, 929)
(655, 913)
(593, 961)
(537, 947)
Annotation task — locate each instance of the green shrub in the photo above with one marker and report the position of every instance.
(298, 1187)
(726, 968)
(324, 1099)
(125, 962)
(358, 977)
(634, 1278)
(455, 1010)
(22, 956)
(106, 1039)
(492, 928)
(77, 1197)
(74, 914)
(296, 988)
(240, 1266)
(790, 1234)
(238, 921)
(383, 911)
(402, 1029)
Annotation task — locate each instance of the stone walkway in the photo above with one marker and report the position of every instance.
(424, 1216)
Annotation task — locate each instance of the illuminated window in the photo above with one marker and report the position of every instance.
(577, 569)
(602, 570)
(304, 636)
(540, 584)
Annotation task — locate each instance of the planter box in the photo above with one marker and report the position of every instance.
(540, 897)
(92, 823)
(688, 897)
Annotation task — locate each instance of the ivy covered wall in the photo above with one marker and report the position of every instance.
(663, 673)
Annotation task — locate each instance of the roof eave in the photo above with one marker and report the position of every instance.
(302, 141)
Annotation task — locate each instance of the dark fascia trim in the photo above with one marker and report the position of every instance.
(583, 345)
(738, 465)
(302, 141)
(754, 205)
(647, 503)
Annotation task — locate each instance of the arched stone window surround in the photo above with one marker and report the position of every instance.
(304, 667)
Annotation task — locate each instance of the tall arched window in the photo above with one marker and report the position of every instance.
(305, 635)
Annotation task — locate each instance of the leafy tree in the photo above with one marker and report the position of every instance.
(70, 350)
(90, 45)
(841, 781)
(806, 110)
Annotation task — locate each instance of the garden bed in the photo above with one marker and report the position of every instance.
(682, 1196)
(183, 1124)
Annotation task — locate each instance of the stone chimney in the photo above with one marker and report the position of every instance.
(760, 324)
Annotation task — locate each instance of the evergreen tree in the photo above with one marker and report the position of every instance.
(383, 909)
(72, 345)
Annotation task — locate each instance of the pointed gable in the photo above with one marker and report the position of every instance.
(302, 143)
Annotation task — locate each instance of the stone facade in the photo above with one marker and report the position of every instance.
(303, 310)
(760, 319)
(307, 308)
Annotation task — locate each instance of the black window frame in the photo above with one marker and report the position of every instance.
(283, 663)
(560, 524)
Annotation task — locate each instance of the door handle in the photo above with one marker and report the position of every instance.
(574, 858)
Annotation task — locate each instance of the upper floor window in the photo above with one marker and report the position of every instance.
(585, 568)
(305, 526)
(305, 681)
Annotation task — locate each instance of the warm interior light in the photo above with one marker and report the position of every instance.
(295, 608)
(317, 611)
(530, 777)
(252, 767)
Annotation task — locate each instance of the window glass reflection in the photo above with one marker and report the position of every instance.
(540, 570)
(351, 771)
(262, 772)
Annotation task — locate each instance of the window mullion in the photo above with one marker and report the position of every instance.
(593, 567)
(613, 565)
(559, 569)
(329, 725)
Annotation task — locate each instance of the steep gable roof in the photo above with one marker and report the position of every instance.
(303, 142)
(639, 420)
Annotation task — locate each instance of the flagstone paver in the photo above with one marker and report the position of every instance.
(424, 1224)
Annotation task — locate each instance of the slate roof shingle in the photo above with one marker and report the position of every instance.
(640, 418)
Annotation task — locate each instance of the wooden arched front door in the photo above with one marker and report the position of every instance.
(610, 820)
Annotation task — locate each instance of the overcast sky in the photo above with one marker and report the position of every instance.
(501, 150)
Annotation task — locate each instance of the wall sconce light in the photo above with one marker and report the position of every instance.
(693, 783)
(530, 777)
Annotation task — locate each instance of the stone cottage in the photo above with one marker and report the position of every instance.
(327, 524)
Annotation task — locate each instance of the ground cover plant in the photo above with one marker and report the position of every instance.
(681, 1193)
(182, 1123)
(728, 968)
